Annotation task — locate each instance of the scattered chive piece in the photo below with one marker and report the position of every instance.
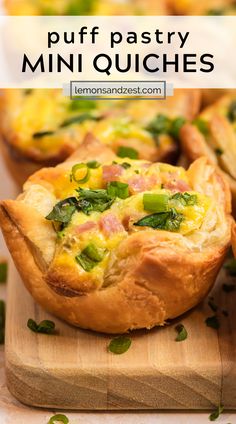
(155, 202)
(82, 104)
(119, 345)
(182, 333)
(127, 152)
(118, 189)
(215, 414)
(213, 322)
(93, 164)
(228, 288)
(212, 305)
(74, 170)
(44, 327)
(79, 119)
(232, 111)
(219, 151)
(2, 321)
(90, 257)
(41, 134)
(3, 272)
(58, 418)
(125, 165)
(161, 124)
(230, 266)
(201, 125)
(176, 125)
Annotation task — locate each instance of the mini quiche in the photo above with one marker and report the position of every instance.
(86, 7)
(213, 134)
(43, 127)
(115, 244)
(208, 7)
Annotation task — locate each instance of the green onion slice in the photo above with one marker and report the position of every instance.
(3, 272)
(74, 170)
(127, 152)
(153, 202)
(93, 164)
(90, 257)
(58, 418)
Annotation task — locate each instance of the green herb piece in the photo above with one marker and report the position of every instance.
(119, 345)
(58, 418)
(186, 199)
(161, 124)
(44, 327)
(201, 125)
(74, 170)
(155, 202)
(78, 119)
(93, 164)
(2, 321)
(232, 111)
(90, 257)
(212, 305)
(215, 414)
(213, 322)
(63, 210)
(219, 151)
(41, 134)
(118, 189)
(136, 171)
(176, 125)
(125, 165)
(230, 266)
(169, 221)
(94, 200)
(182, 333)
(3, 272)
(228, 288)
(127, 152)
(215, 12)
(80, 7)
(82, 104)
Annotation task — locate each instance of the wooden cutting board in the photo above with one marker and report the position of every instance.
(73, 369)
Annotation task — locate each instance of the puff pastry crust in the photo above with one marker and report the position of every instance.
(146, 275)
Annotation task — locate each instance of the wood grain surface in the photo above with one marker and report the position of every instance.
(74, 370)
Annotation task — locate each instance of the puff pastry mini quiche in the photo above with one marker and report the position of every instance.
(113, 244)
(213, 134)
(43, 127)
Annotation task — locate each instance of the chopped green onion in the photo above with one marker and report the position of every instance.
(215, 414)
(3, 272)
(93, 164)
(119, 345)
(74, 170)
(230, 266)
(127, 152)
(213, 322)
(182, 333)
(44, 327)
(155, 202)
(232, 111)
(79, 119)
(82, 104)
(41, 134)
(201, 125)
(90, 257)
(176, 125)
(58, 418)
(125, 165)
(118, 189)
(159, 125)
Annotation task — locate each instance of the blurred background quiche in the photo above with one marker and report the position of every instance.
(87, 7)
(43, 127)
(213, 134)
(208, 7)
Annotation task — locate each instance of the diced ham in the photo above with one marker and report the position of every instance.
(87, 226)
(109, 224)
(177, 185)
(139, 183)
(111, 172)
